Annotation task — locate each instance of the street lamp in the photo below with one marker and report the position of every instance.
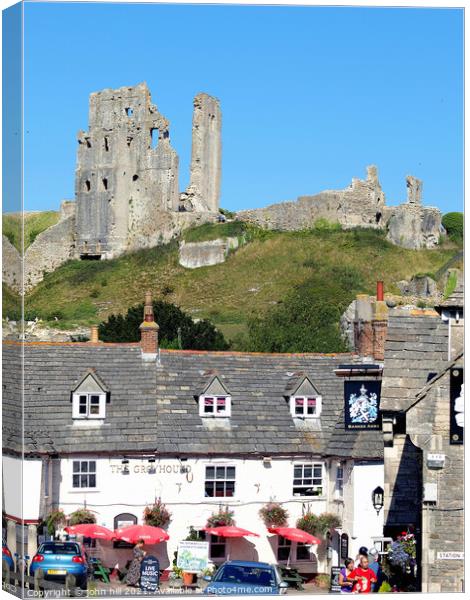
(378, 499)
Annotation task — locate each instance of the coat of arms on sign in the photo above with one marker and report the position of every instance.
(361, 408)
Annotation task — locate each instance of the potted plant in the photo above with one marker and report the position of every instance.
(323, 581)
(274, 515)
(223, 518)
(81, 516)
(157, 515)
(309, 523)
(54, 521)
(175, 577)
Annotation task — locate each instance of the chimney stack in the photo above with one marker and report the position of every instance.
(149, 331)
(363, 335)
(94, 339)
(380, 323)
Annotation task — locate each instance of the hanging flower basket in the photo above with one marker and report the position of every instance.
(274, 515)
(157, 515)
(223, 518)
(81, 516)
(308, 523)
(327, 522)
(55, 520)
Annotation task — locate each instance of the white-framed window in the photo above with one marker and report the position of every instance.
(283, 548)
(84, 474)
(215, 406)
(339, 481)
(89, 406)
(308, 479)
(219, 482)
(217, 547)
(305, 407)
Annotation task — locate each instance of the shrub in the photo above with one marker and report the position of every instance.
(274, 515)
(157, 515)
(54, 520)
(309, 523)
(80, 516)
(221, 519)
(451, 284)
(323, 580)
(325, 225)
(453, 223)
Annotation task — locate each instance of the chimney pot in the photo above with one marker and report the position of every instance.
(380, 291)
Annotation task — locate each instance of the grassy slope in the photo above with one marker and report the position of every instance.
(34, 223)
(250, 281)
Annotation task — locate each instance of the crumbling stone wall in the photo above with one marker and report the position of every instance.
(204, 186)
(193, 255)
(11, 265)
(361, 204)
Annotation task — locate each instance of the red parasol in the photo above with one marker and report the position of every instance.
(90, 530)
(229, 531)
(147, 533)
(295, 535)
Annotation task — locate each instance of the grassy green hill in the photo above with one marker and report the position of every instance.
(253, 279)
(34, 223)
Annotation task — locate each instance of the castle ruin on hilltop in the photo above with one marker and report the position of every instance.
(127, 192)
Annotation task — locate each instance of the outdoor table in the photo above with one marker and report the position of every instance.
(99, 569)
(292, 577)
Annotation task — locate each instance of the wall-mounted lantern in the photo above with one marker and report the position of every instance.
(378, 499)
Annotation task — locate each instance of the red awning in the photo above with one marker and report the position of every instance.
(229, 531)
(295, 535)
(90, 530)
(147, 533)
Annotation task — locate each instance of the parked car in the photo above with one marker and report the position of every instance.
(239, 577)
(58, 559)
(7, 557)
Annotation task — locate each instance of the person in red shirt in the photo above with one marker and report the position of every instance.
(363, 576)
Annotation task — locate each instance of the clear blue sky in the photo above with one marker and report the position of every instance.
(309, 95)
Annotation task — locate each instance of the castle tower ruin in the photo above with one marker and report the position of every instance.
(127, 172)
(204, 186)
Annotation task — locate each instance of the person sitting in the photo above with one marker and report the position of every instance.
(344, 576)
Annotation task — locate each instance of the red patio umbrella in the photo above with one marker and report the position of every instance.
(229, 531)
(90, 530)
(295, 535)
(133, 533)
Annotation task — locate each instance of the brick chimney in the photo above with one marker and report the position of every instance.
(379, 324)
(363, 334)
(94, 339)
(149, 331)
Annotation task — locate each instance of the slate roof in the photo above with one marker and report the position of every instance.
(415, 350)
(154, 407)
(455, 300)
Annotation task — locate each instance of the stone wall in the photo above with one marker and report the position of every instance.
(193, 255)
(11, 265)
(413, 226)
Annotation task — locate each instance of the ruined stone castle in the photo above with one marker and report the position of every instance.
(127, 193)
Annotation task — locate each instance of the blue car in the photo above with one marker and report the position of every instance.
(240, 577)
(58, 559)
(7, 557)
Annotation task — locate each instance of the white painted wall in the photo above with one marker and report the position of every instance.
(14, 473)
(183, 494)
(367, 524)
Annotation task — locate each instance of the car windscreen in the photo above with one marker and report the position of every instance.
(245, 574)
(58, 548)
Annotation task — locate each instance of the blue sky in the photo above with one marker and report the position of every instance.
(309, 95)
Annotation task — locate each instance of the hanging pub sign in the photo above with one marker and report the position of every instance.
(456, 406)
(149, 574)
(362, 404)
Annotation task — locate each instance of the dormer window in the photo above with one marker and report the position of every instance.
(304, 399)
(214, 406)
(214, 398)
(305, 407)
(89, 398)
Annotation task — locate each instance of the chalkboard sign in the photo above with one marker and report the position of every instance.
(149, 574)
(344, 546)
(335, 587)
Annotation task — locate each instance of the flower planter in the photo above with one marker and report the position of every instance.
(188, 578)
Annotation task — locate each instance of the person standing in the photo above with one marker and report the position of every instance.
(363, 576)
(362, 552)
(133, 575)
(374, 565)
(345, 580)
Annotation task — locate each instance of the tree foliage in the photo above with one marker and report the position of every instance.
(453, 223)
(308, 319)
(177, 329)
